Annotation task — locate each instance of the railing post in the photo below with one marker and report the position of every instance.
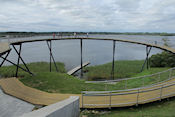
(143, 81)
(109, 100)
(159, 77)
(161, 89)
(105, 86)
(125, 84)
(170, 74)
(82, 99)
(137, 97)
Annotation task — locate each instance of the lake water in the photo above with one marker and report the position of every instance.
(95, 51)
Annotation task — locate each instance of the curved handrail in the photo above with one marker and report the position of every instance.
(122, 79)
(136, 91)
(111, 39)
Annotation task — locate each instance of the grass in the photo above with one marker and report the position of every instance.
(123, 69)
(60, 82)
(10, 71)
(165, 108)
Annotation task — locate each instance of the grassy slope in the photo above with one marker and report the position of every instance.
(10, 71)
(63, 83)
(123, 69)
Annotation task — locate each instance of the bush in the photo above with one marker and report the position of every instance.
(164, 59)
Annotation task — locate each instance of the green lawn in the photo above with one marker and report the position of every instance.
(123, 69)
(10, 71)
(60, 82)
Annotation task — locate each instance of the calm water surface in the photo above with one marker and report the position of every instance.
(95, 51)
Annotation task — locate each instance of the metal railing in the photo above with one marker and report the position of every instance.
(134, 96)
(127, 97)
(156, 78)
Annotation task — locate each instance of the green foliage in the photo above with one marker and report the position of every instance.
(10, 71)
(164, 59)
(63, 83)
(60, 83)
(122, 69)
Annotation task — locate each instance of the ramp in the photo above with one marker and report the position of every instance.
(77, 68)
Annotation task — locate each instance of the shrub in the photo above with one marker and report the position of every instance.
(164, 59)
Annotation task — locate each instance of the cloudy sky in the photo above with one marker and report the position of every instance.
(88, 15)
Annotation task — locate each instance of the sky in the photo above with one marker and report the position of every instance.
(88, 15)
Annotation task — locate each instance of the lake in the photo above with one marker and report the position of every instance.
(95, 51)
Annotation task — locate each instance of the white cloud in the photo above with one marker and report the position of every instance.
(87, 15)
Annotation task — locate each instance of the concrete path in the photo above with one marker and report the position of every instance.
(13, 107)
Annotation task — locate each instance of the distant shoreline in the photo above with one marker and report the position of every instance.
(85, 33)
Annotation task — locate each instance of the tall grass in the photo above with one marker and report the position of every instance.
(10, 71)
(122, 69)
(60, 82)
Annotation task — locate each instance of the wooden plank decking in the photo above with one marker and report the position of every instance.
(77, 68)
(14, 87)
(4, 47)
(120, 40)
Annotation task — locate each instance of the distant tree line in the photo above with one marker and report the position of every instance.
(84, 33)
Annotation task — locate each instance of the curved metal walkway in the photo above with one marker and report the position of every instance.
(103, 99)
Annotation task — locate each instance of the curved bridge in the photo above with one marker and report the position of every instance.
(96, 99)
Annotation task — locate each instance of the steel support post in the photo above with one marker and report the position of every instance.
(20, 58)
(5, 58)
(147, 57)
(113, 61)
(51, 56)
(14, 64)
(81, 52)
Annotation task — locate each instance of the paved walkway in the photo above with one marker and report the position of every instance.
(17, 89)
(13, 107)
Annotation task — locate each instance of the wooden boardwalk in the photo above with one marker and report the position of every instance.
(77, 68)
(120, 40)
(4, 47)
(14, 87)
